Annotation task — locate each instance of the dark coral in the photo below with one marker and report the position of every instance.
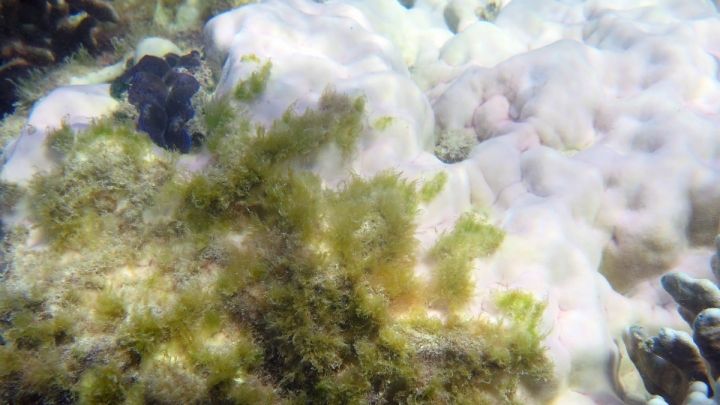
(161, 89)
(673, 362)
(38, 33)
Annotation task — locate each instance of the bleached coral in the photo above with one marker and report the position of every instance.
(596, 138)
(594, 142)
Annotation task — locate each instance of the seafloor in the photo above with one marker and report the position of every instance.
(359, 201)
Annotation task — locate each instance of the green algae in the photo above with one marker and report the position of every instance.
(10, 195)
(104, 183)
(433, 187)
(453, 256)
(383, 123)
(249, 89)
(252, 283)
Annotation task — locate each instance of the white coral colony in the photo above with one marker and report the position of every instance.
(587, 131)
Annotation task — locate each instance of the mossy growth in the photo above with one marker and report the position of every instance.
(61, 140)
(523, 314)
(383, 123)
(453, 256)
(250, 281)
(34, 369)
(433, 187)
(105, 181)
(454, 145)
(251, 168)
(101, 385)
(10, 195)
(249, 89)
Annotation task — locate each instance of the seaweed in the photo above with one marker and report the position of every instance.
(453, 256)
(107, 174)
(250, 281)
(249, 89)
(433, 187)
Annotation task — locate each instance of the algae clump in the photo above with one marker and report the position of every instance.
(453, 254)
(433, 187)
(249, 281)
(249, 89)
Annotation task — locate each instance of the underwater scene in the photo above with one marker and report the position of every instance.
(360, 202)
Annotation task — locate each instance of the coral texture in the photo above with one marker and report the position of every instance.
(39, 33)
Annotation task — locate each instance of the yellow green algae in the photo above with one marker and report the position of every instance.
(453, 255)
(249, 281)
(433, 187)
(249, 89)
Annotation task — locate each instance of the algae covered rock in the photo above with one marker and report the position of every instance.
(247, 281)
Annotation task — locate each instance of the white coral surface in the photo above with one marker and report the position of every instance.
(597, 129)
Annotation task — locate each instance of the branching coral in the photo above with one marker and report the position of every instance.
(674, 365)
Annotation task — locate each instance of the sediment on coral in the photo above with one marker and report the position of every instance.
(247, 282)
